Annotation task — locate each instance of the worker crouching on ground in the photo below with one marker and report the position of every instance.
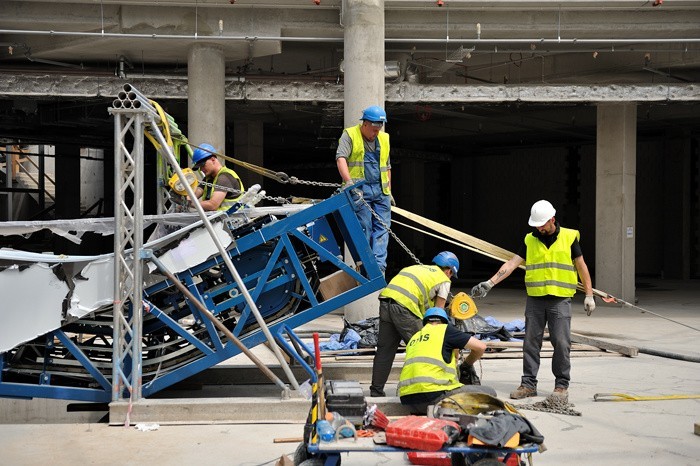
(363, 155)
(430, 370)
(553, 257)
(402, 305)
(227, 185)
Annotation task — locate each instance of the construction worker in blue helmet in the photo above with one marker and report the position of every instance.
(363, 155)
(227, 186)
(430, 369)
(402, 305)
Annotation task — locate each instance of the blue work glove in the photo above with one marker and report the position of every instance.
(589, 304)
(482, 289)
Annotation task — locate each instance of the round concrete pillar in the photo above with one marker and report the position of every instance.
(363, 65)
(206, 107)
(363, 60)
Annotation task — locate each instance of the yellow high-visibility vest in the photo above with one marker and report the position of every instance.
(411, 287)
(424, 369)
(550, 271)
(356, 161)
(226, 204)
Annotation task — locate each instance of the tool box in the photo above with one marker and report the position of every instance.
(421, 433)
(347, 399)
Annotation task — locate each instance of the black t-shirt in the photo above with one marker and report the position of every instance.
(548, 240)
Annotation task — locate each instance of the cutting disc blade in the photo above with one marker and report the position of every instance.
(463, 306)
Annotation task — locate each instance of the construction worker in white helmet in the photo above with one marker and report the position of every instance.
(363, 155)
(552, 257)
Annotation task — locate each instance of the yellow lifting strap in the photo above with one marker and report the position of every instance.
(626, 397)
(278, 176)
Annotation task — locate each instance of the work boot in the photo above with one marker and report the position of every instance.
(467, 375)
(374, 393)
(523, 392)
(560, 394)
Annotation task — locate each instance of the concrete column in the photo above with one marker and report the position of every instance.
(363, 65)
(248, 146)
(206, 112)
(363, 60)
(616, 171)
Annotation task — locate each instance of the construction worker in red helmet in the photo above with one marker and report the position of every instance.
(402, 305)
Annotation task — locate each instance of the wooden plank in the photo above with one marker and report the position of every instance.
(630, 351)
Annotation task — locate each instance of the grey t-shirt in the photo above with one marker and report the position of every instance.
(345, 147)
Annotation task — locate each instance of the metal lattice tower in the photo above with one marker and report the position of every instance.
(128, 242)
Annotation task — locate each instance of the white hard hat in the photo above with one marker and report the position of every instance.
(540, 213)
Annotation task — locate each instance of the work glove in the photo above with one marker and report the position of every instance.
(589, 304)
(393, 202)
(482, 289)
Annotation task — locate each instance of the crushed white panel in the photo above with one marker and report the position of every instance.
(95, 288)
(32, 298)
(33, 295)
(193, 250)
(74, 229)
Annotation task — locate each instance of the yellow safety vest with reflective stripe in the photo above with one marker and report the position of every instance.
(227, 203)
(411, 287)
(356, 161)
(550, 271)
(424, 369)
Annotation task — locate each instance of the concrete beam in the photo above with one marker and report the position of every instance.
(168, 87)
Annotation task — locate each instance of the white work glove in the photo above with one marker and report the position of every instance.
(393, 202)
(482, 289)
(589, 305)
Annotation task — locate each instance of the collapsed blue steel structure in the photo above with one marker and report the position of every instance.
(282, 262)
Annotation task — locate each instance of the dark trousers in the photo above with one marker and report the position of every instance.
(396, 323)
(555, 313)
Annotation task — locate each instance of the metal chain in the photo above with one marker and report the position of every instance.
(279, 200)
(551, 405)
(295, 180)
(376, 215)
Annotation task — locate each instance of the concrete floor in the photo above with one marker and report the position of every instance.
(607, 433)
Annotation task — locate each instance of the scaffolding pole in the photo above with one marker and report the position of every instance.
(128, 242)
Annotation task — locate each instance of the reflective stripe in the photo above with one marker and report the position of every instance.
(430, 380)
(355, 164)
(420, 285)
(550, 283)
(428, 360)
(398, 289)
(551, 265)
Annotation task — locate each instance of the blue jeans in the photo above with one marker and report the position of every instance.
(554, 312)
(377, 234)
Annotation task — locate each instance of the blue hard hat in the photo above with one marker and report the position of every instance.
(435, 312)
(447, 259)
(203, 152)
(374, 113)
